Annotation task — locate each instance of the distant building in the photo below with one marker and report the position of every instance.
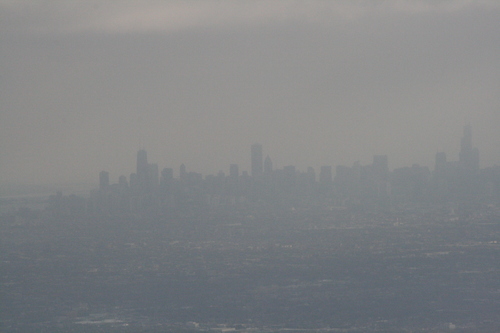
(182, 172)
(469, 156)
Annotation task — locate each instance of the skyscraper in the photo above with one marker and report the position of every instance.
(257, 161)
(469, 157)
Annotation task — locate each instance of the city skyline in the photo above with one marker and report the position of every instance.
(84, 86)
(360, 186)
(468, 158)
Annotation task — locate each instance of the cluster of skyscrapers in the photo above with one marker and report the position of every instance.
(362, 186)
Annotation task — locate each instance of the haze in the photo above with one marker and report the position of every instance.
(85, 84)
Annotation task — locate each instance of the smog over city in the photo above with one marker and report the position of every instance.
(250, 166)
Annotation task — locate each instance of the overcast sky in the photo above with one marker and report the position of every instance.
(85, 84)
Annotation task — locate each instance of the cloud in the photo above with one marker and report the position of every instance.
(114, 17)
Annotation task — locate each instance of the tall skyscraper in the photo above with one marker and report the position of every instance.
(469, 157)
(257, 161)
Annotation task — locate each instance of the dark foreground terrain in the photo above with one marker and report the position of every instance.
(302, 270)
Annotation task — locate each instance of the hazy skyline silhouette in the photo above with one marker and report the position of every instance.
(84, 86)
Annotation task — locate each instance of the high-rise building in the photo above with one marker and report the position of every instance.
(182, 172)
(257, 160)
(469, 157)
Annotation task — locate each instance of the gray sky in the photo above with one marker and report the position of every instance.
(85, 84)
